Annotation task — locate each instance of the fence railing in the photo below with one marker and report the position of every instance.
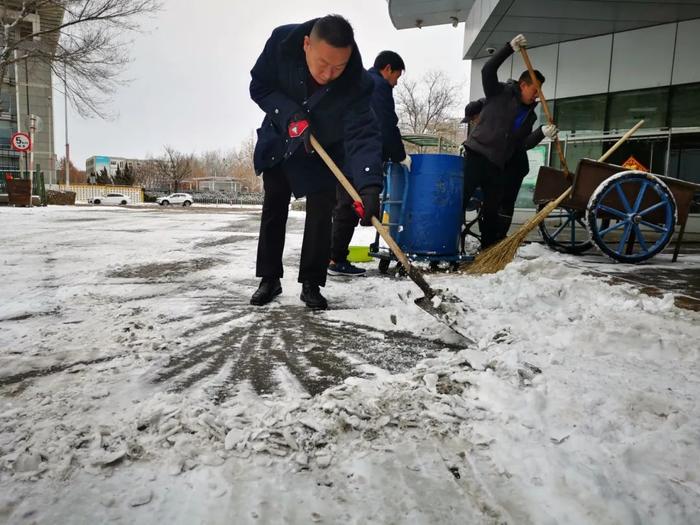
(215, 197)
(83, 192)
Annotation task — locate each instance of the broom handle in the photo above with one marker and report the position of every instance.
(545, 108)
(622, 139)
(610, 151)
(375, 222)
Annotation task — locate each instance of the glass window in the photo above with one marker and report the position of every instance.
(6, 131)
(685, 157)
(629, 107)
(9, 161)
(541, 117)
(650, 153)
(537, 157)
(581, 113)
(7, 99)
(685, 106)
(575, 151)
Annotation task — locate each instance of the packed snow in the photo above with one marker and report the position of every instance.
(138, 386)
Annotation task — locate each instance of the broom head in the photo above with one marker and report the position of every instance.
(497, 257)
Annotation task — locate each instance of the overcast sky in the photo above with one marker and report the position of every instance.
(191, 70)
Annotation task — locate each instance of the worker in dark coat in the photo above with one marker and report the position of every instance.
(386, 71)
(514, 171)
(308, 80)
(505, 126)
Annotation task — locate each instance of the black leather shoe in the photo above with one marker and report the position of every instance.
(269, 288)
(311, 295)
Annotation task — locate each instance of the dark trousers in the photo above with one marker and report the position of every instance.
(344, 222)
(480, 172)
(315, 249)
(515, 171)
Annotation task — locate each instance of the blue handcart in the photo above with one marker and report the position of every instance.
(423, 210)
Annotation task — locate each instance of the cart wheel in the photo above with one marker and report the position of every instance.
(560, 233)
(384, 265)
(631, 216)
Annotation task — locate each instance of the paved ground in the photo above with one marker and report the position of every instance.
(656, 276)
(128, 338)
(198, 302)
(227, 348)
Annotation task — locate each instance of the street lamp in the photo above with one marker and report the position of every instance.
(66, 164)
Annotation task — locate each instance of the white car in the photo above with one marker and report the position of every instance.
(111, 198)
(184, 199)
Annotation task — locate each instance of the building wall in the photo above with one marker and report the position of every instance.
(39, 103)
(644, 58)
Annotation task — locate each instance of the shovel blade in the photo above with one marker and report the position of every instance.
(449, 309)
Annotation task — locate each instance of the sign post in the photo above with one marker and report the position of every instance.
(22, 142)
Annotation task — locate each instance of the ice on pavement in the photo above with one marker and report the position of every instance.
(125, 395)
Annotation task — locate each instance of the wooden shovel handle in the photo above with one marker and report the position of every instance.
(356, 197)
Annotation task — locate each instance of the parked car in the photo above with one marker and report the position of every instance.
(184, 199)
(111, 198)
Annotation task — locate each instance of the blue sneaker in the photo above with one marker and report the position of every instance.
(345, 268)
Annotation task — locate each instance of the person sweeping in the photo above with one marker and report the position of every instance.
(388, 68)
(504, 130)
(309, 80)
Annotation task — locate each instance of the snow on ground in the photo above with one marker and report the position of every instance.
(138, 386)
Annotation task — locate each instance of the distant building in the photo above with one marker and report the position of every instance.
(225, 184)
(95, 164)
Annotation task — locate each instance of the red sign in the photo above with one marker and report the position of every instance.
(634, 164)
(20, 141)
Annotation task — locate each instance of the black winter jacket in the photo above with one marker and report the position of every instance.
(493, 136)
(518, 164)
(339, 113)
(385, 110)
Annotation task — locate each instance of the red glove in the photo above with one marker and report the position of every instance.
(298, 127)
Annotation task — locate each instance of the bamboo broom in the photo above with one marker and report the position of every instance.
(497, 257)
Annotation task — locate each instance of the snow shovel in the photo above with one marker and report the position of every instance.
(444, 306)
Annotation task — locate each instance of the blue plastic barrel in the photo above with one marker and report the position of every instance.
(430, 215)
(395, 194)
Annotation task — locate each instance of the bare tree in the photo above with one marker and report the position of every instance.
(218, 163)
(425, 105)
(82, 41)
(76, 176)
(149, 175)
(244, 170)
(174, 167)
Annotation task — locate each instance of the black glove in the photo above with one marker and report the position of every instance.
(299, 126)
(370, 204)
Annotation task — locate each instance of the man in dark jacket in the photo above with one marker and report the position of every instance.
(388, 68)
(309, 79)
(514, 171)
(505, 127)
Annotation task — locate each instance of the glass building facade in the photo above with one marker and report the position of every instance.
(668, 144)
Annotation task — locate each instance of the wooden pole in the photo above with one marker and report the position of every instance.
(545, 108)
